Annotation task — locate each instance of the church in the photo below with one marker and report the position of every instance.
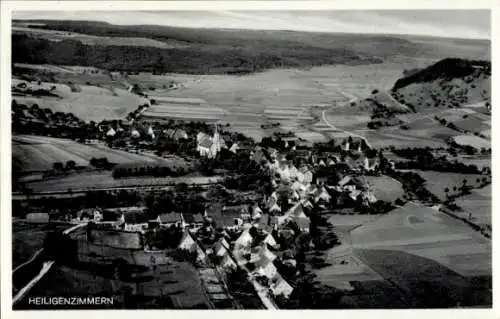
(209, 146)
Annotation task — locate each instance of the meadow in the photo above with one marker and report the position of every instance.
(38, 153)
(437, 182)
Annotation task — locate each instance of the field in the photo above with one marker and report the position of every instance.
(188, 109)
(291, 97)
(428, 233)
(385, 188)
(104, 179)
(92, 103)
(178, 280)
(477, 205)
(37, 153)
(471, 140)
(436, 182)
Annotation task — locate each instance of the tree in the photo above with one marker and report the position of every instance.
(57, 166)
(70, 164)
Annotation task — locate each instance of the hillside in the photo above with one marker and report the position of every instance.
(215, 51)
(449, 83)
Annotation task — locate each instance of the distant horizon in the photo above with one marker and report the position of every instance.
(453, 24)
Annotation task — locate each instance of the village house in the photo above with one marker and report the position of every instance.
(280, 287)
(90, 214)
(169, 219)
(221, 247)
(244, 241)
(265, 267)
(228, 262)
(234, 148)
(322, 195)
(175, 134)
(346, 184)
(304, 175)
(188, 243)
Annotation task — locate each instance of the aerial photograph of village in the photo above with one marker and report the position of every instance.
(251, 159)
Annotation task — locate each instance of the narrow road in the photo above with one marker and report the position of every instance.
(261, 290)
(45, 268)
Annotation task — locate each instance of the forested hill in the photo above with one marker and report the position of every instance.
(447, 83)
(215, 51)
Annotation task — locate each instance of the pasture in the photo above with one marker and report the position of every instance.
(436, 182)
(103, 179)
(39, 153)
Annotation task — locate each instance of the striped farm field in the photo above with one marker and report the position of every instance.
(104, 179)
(39, 153)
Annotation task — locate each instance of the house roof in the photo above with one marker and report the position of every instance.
(264, 221)
(275, 208)
(198, 218)
(135, 217)
(179, 133)
(263, 262)
(169, 218)
(302, 222)
(296, 210)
